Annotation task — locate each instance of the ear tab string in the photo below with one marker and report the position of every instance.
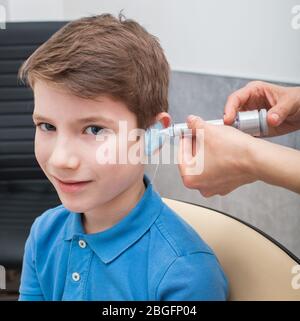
(153, 141)
(153, 178)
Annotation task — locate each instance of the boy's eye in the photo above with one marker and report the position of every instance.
(47, 126)
(95, 129)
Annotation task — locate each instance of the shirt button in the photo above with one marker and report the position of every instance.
(82, 244)
(76, 276)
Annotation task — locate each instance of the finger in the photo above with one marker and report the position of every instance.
(180, 156)
(206, 193)
(195, 122)
(187, 154)
(277, 114)
(185, 151)
(235, 103)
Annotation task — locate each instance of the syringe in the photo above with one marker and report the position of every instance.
(252, 122)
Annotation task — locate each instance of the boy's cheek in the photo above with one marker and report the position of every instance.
(43, 153)
(40, 153)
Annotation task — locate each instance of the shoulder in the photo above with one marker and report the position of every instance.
(179, 236)
(188, 269)
(196, 276)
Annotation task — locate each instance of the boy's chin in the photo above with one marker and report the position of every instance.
(72, 207)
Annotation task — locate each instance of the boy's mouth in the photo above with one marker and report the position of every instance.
(70, 186)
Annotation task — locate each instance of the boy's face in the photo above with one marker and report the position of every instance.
(66, 147)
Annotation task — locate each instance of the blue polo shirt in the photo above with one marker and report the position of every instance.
(150, 254)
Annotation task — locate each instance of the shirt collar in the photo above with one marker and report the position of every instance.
(112, 242)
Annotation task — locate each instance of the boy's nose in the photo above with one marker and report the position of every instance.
(63, 156)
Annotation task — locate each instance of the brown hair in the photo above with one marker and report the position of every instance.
(104, 55)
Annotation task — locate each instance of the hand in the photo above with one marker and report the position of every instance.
(227, 161)
(233, 158)
(282, 103)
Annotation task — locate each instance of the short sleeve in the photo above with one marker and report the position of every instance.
(30, 289)
(193, 277)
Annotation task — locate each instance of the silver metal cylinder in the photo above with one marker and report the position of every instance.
(248, 122)
(253, 122)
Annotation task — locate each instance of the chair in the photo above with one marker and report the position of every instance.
(25, 192)
(257, 267)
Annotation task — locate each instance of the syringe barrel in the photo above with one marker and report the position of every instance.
(253, 122)
(248, 122)
(216, 122)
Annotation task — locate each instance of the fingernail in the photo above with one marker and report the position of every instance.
(275, 117)
(191, 118)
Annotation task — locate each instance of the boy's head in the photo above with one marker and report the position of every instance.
(104, 55)
(105, 69)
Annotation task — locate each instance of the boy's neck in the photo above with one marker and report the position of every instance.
(113, 211)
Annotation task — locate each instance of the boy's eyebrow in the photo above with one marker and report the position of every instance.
(82, 120)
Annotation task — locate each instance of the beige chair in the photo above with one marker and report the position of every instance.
(257, 267)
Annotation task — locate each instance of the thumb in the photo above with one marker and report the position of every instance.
(277, 114)
(185, 152)
(195, 122)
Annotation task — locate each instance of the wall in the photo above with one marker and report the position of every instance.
(248, 38)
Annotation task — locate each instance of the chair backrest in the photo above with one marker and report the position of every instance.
(257, 267)
(17, 42)
(25, 192)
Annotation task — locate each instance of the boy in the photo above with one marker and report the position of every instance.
(112, 238)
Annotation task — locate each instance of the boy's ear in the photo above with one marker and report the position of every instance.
(154, 141)
(164, 118)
